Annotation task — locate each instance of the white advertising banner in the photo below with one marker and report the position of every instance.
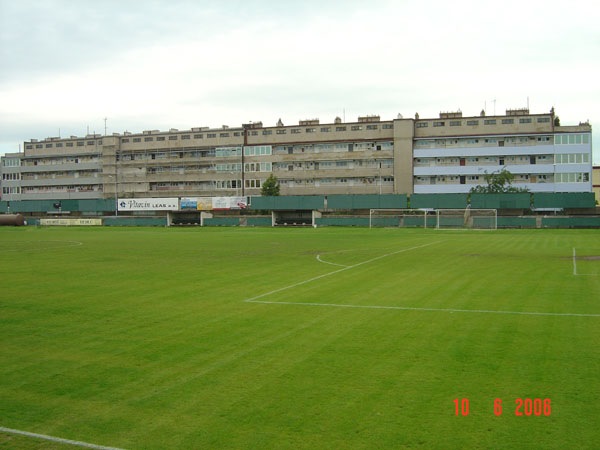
(71, 222)
(148, 204)
(229, 203)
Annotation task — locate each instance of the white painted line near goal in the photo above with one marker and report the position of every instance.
(37, 249)
(310, 280)
(56, 439)
(575, 268)
(410, 308)
(327, 262)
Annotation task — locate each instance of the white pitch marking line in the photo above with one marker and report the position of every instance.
(70, 244)
(410, 308)
(300, 283)
(575, 268)
(56, 439)
(327, 262)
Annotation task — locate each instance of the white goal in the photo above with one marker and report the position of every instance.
(401, 218)
(483, 219)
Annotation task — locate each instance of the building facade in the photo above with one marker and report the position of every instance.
(449, 154)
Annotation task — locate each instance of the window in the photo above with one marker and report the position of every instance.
(198, 136)
(79, 144)
(70, 144)
(137, 139)
(252, 183)
(356, 128)
(422, 124)
(387, 126)
(281, 131)
(372, 127)
(148, 139)
(172, 138)
(311, 130)
(258, 150)
(543, 119)
(325, 129)
(185, 136)
(508, 121)
(489, 122)
(455, 123)
(48, 145)
(472, 122)
(525, 120)
(296, 131)
(211, 135)
(340, 128)
(439, 124)
(223, 135)
(570, 139)
(160, 138)
(258, 167)
(228, 151)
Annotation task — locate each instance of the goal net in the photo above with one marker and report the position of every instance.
(484, 219)
(401, 218)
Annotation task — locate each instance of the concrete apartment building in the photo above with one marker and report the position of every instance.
(448, 154)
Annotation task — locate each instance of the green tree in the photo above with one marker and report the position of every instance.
(497, 183)
(270, 187)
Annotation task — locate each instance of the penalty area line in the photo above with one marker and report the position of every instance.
(300, 283)
(56, 439)
(411, 308)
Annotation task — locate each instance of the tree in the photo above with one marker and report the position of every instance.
(270, 187)
(498, 183)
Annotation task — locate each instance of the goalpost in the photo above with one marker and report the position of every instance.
(482, 219)
(400, 218)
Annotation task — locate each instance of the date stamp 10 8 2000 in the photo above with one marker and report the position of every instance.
(527, 407)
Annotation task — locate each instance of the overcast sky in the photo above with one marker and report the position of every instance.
(65, 65)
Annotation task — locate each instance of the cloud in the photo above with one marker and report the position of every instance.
(187, 63)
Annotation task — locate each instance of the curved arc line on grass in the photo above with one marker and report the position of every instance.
(327, 262)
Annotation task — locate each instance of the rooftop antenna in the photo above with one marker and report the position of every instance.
(105, 119)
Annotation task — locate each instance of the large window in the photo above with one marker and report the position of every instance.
(11, 162)
(571, 158)
(258, 150)
(228, 151)
(258, 167)
(571, 139)
(572, 177)
(229, 167)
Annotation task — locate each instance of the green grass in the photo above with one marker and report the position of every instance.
(141, 338)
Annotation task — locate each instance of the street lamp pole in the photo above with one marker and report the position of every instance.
(246, 127)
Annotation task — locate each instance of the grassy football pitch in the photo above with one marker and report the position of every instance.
(190, 338)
